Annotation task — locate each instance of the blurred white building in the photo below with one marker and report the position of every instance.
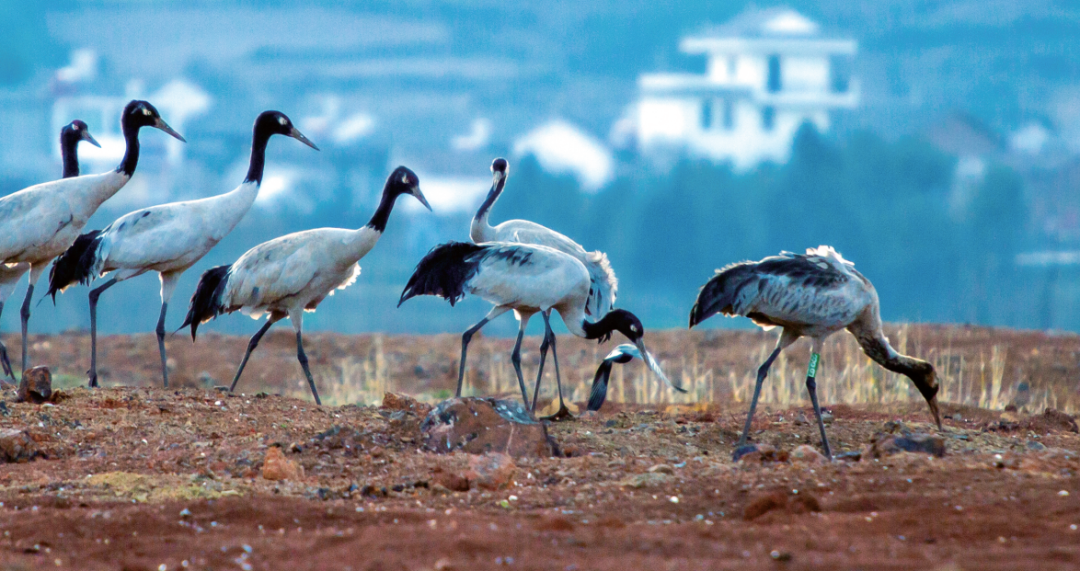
(767, 73)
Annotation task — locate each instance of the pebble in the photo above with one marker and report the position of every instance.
(277, 467)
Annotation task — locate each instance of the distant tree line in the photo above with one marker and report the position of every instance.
(884, 205)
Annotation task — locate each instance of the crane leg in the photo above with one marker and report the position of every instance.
(168, 286)
(515, 358)
(94, 295)
(24, 318)
(24, 314)
(298, 321)
(161, 344)
(785, 340)
(563, 412)
(270, 321)
(467, 337)
(811, 387)
(4, 361)
(543, 358)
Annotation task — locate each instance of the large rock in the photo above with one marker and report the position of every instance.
(36, 386)
(17, 446)
(479, 425)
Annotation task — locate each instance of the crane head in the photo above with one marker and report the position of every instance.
(404, 181)
(277, 123)
(139, 114)
(77, 131)
(499, 169)
(924, 376)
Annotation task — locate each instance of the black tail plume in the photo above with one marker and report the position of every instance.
(76, 264)
(720, 293)
(599, 386)
(206, 301)
(444, 271)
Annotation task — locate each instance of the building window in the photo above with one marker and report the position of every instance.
(768, 118)
(840, 73)
(706, 115)
(774, 74)
(729, 114)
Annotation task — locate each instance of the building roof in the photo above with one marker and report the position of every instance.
(770, 29)
(768, 22)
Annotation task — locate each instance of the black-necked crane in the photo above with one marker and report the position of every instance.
(598, 393)
(10, 274)
(814, 294)
(527, 279)
(70, 136)
(294, 273)
(603, 285)
(167, 239)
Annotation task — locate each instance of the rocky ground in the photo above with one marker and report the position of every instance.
(148, 478)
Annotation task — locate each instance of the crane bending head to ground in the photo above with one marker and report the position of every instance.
(814, 294)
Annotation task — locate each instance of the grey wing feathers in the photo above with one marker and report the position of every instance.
(789, 288)
(603, 285)
(721, 294)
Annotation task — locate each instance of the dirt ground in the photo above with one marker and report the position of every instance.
(147, 478)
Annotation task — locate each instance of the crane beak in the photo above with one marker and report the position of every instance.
(296, 134)
(648, 358)
(934, 410)
(161, 124)
(420, 196)
(89, 138)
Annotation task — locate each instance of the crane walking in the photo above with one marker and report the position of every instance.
(167, 239)
(814, 294)
(603, 285)
(292, 274)
(527, 279)
(10, 274)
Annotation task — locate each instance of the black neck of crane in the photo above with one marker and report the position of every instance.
(493, 195)
(69, 152)
(386, 204)
(260, 136)
(131, 141)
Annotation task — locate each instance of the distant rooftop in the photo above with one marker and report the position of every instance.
(767, 29)
(768, 22)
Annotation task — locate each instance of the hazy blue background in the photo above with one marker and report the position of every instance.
(938, 79)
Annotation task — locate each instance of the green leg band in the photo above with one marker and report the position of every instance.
(811, 371)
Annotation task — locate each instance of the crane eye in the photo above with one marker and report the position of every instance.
(74, 127)
(282, 120)
(633, 328)
(405, 179)
(145, 111)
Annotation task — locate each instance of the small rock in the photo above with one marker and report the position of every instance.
(36, 386)
(646, 480)
(491, 471)
(662, 469)
(808, 454)
(887, 445)
(1035, 445)
(477, 425)
(277, 467)
(759, 453)
(851, 456)
(395, 401)
(1059, 420)
(17, 446)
